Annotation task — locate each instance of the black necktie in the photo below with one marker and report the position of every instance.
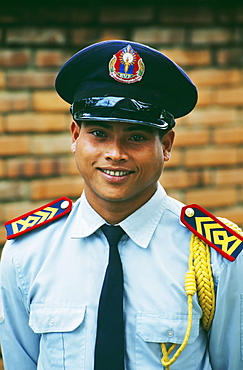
(109, 348)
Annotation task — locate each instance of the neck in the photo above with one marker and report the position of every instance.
(114, 212)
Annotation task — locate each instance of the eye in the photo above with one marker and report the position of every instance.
(98, 133)
(138, 138)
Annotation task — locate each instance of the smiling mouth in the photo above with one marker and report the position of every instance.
(116, 173)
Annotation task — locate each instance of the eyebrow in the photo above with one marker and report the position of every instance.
(139, 128)
(132, 127)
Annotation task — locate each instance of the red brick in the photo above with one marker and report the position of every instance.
(228, 135)
(14, 145)
(210, 157)
(19, 167)
(230, 56)
(156, 34)
(57, 166)
(48, 167)
(2, 80)
(49, 101)
(175, 159)
(239, 13)
(112, 34)
(211, 116)
(80, 36)
(186, 15)
(240, 155)
(207, 177)
(38, 122)
(32, 167)
(56, 187)
(233, 214)
(205, 97)
(2, 124)
(2, 242)
(18, 101)
(63, 14)
(214, 76)
(212, 35)
(68, 166)
(213, 63)
(10, 190)
(215, 197)
(50, 58)
(17, 208)
(2, 216)
(179, 179)
(14, 58)
(176, 194)
(30, 78)
(188, 57)
(240, 195)
(193, 137)
(229, 176)
(123, 14)
(2, 168)
(230, 96)
(24, 35)
(51, 144)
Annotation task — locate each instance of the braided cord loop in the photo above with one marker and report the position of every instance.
(190, 288)
(198, 279)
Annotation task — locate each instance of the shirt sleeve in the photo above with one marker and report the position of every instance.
(20, 345)
(226, 335)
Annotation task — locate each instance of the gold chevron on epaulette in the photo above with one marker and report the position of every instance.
(38, 217)
(212, 231)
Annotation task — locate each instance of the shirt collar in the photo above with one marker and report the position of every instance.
(88, 220)
(139, 226)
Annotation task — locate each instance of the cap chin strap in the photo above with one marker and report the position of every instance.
(121, 109)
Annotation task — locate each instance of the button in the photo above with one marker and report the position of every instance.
(1, 319)
(189, 212)
(51, 321)
(64, 204)
(170, 333)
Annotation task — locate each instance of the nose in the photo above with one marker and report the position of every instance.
(115, 151)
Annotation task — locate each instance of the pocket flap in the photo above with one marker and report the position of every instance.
(51, 319)
(161, 328)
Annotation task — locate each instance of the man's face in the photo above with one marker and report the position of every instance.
(119, 162)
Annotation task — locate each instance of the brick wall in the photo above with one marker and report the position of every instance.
(207, 41)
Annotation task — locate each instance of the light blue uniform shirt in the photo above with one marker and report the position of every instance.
(51, 279)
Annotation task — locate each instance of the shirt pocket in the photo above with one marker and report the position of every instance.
(62, 335)
(154, 329)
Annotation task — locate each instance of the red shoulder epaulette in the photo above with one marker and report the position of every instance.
(212, 231)
(38, 217)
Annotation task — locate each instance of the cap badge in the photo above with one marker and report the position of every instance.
(126, 66)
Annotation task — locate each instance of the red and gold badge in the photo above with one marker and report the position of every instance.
(126, 66)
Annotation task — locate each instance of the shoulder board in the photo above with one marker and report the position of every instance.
(212, 231)
(38, 217)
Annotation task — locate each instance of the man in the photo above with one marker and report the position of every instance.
(58, 306)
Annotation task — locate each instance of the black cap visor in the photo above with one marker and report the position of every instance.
(120, 109)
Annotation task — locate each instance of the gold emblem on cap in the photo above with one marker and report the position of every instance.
(126, 66)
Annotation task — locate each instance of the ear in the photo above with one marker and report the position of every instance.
(167, 143)
(75, 130)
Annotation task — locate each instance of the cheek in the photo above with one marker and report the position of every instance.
(83, 154)
(152, 161)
